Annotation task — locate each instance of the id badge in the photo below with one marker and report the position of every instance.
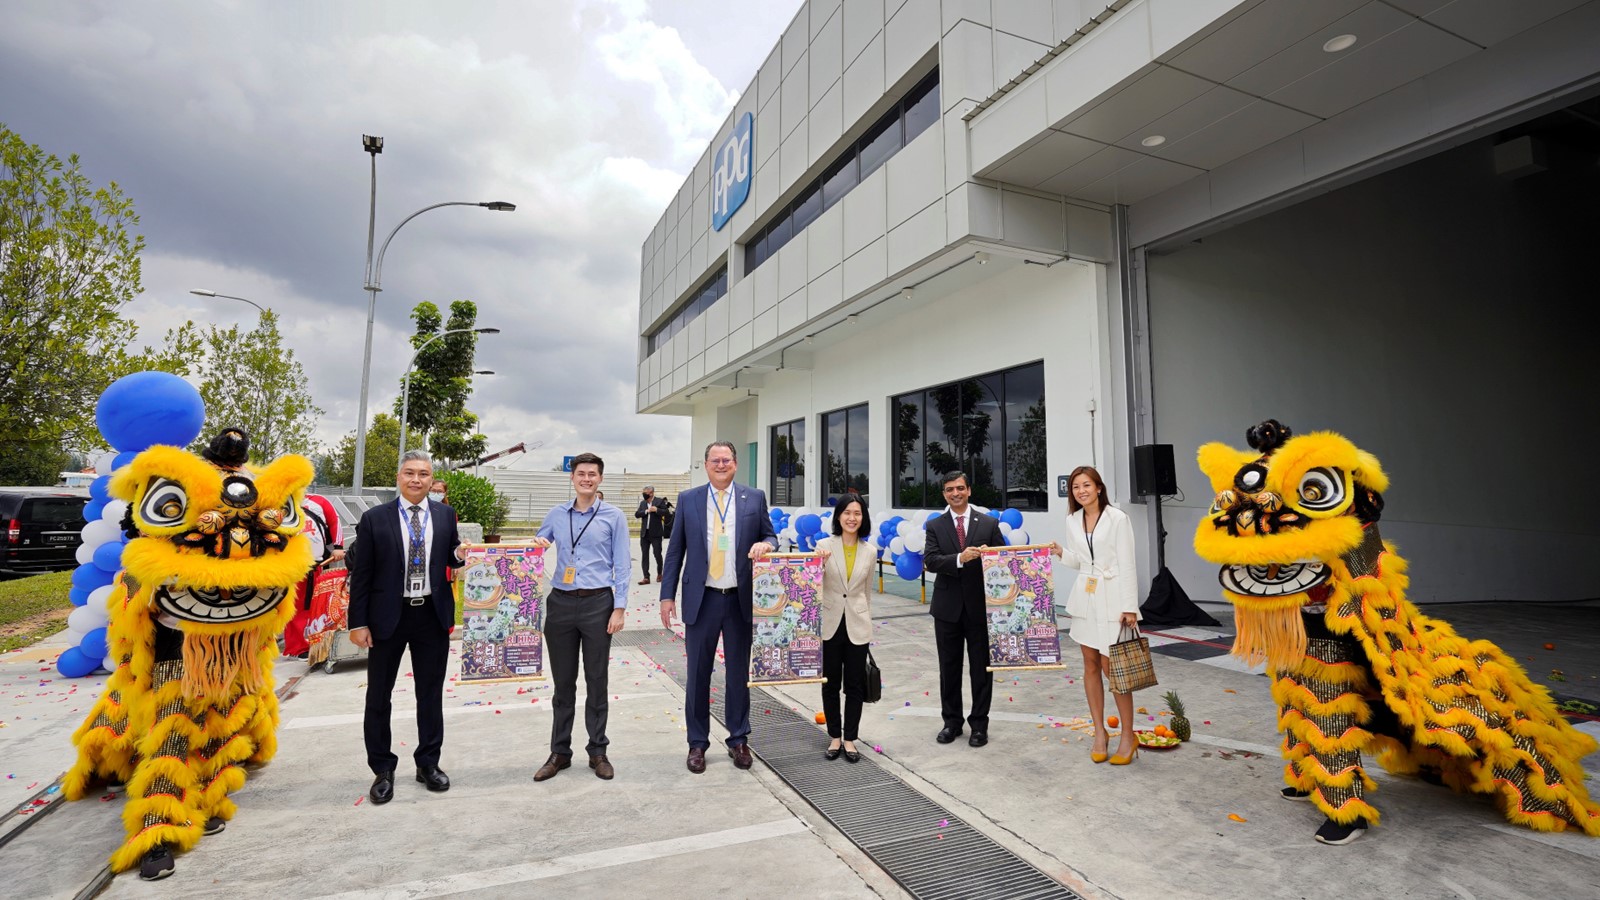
(415, 585)
(1091, 584)
(724, 542)
(569, 575)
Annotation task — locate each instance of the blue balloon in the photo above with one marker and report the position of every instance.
(1012, 517)
(94, 644)
(805, 542)
(908, 565)
(148, 408)
(810, 523)
(93, 509)
(91, 576)
(123, 459)
(74, 663)
(108, 556)
(78, 596)
(775, 514)
(100, 488)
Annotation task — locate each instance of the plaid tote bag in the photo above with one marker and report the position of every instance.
(1131, 666)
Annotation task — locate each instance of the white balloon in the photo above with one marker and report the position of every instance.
(114, 511)
(801, 512)
(1005, 529)
(102, 463)
(98, 616)
(904, 528)
(1020, 535)
(85, 554)
(74, 635)
(897, 546)
(109, 664)
(99, 531)
(916, 540)
(82, 620)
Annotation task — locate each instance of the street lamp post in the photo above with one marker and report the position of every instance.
(405, 391)
(202, 293)
(374, 281)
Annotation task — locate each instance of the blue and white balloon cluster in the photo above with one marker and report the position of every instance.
(136, 412)
(900, 539)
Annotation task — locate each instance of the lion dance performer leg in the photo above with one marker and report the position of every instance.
(215, 547)
(1356, 668)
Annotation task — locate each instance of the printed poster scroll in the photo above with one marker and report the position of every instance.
(1019, 597)
(330, 613)
(503, 589)
(786, 638)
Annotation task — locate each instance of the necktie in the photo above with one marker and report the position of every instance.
(961, 532)
(719, 557)
(414, 558)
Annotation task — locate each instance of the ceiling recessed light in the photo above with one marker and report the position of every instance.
(1154, 140)
(1340, 43)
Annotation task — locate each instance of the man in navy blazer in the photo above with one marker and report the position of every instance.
(953, 545)
(400, 599)
(725, 524)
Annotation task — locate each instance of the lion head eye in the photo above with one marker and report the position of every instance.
(165, 503)
(1321, 489)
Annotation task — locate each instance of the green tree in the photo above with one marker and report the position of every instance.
(67, 265)
(383, 454)
(441, 382)
(250, 380)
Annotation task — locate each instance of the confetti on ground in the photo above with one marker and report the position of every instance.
(1235, 817)
(1229, 691)
(358, 801)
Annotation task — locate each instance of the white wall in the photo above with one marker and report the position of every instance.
(1440, 317)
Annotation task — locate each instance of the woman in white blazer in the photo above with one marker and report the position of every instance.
(1104, 599)
(848, 564)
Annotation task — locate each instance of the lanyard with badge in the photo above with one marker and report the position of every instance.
(570, 574)
(416, 583)
(724, 539)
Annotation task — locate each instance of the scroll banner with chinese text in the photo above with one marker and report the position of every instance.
(1019, 598)
(786, 636)
(502, 588)
(330, 613)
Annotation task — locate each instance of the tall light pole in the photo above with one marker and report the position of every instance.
(405, 391)
(373, 284)
(202, 293)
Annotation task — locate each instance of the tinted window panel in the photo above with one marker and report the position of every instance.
(922, 111)
(879, 144)
(807, 207)
(1027, 474)
(856, 451)
(839, 181)
(906, 411)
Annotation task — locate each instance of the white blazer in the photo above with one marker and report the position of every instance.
(1112, 562)
(847, 599)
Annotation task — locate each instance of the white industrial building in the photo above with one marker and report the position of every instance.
(1017, 236)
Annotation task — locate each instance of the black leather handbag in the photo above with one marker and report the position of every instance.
(874, 680)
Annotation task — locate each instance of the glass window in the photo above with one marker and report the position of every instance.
(880, 143)
(844, 452)
(778, 234)
(839, 180)
(788, 447)
(755, 253)
(714, 289)
(922, 108)
(807, 207)
(50, 511)
(991, 427)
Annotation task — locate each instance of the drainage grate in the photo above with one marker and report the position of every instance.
(920, 844)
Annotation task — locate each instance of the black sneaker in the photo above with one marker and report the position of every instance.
(1333, 833)
(1290, 793)
(157, 864)
(214, 826)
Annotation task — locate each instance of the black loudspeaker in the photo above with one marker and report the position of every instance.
(1153, 473)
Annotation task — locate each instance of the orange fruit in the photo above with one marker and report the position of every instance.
(1111, 722)
(822, 719)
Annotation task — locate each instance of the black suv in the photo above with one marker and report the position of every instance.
(40, 529)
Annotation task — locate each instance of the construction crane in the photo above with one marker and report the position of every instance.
(519, 448)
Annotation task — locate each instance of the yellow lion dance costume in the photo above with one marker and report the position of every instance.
(194, 620)
(1320, 598)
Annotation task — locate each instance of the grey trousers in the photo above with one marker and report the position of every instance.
(575, 625)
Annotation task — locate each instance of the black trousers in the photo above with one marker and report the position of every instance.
(419, 630)
(972, 633)
(843, 663)
(576, 625)
(649, 542)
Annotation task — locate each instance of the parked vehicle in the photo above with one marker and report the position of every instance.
(42, 529)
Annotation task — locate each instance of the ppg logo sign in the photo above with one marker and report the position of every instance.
(730, 174)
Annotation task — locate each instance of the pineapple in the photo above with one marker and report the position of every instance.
(1180, 723)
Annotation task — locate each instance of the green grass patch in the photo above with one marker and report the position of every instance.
(33, 608)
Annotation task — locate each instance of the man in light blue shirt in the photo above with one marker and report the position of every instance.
(589, 593)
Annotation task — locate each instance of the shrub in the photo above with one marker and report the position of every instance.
(475, 500)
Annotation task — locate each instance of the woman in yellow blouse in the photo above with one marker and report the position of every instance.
(848, 563)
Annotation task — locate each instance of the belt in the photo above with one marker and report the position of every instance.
(417, 601)
(583, 592)
(729, 591)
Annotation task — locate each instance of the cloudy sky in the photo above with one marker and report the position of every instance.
(236, 128)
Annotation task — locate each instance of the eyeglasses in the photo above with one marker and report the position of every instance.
(719, 462)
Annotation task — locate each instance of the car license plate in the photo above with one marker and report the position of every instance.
(60, 538)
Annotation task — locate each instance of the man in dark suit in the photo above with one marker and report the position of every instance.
(399, 597)
(652, 511)
(719, 528)
(953, 543)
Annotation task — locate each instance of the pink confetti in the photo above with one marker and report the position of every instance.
(358, 801)
(877, 748)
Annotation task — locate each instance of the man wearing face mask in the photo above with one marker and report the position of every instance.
(652, 514)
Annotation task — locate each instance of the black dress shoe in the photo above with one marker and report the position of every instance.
(434, 777)
(382, 788)
(851, 756)
(697, 760)
(741, 756)
(832, 752)
(948, 734)
(157, 864)
(978, 739)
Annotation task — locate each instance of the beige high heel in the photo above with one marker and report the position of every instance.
(1125, 760)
